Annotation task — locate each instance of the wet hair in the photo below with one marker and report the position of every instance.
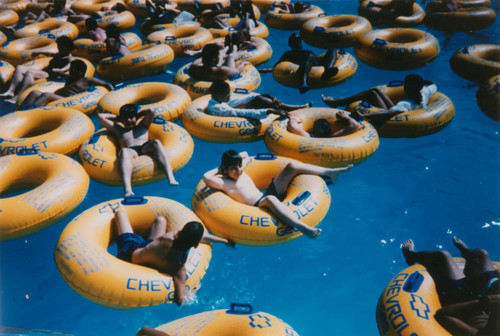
(219, 87)
(91, 23)
(230, 158)
(112, 31)
(78, 66)
(119, 7)
(295, 41)
(412, 86)
(298, 7)
(208, 53)
(189, 236)
(321, 129)
(129, 110)
(65, 42)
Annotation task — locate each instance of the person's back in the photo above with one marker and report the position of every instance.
(159, 255)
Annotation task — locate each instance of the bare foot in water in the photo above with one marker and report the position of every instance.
(313, 233)
(11, 100)
(459, 244)
(173, 182)
(408, 249)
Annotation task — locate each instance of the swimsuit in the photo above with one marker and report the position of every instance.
(127, 243)
(468, 288)
(139, 149)
(271, 191)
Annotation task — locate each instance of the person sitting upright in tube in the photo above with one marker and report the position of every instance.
(230, 178)
(306, 59)
(131, 127)
(208, 66)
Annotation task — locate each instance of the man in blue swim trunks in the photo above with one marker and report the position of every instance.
(470, 298)
(130, 128)
(165, 250)
(230, 178)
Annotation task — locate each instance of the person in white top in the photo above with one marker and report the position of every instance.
(416, 89)
(257, 106)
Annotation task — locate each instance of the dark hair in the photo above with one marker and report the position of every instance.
(78, 65)
(112, 31)
(119, 7)
(295, 41)
(219, 87)
(65, 42)
(321, 129)
(129, 110)
(298, 7)
(412, 86)
(189, 236)
(209, 52)
(230, 158)
(90, 23)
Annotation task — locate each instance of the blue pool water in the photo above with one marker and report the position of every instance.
(427, 188)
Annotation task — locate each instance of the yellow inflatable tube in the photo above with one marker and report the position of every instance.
(82, 256)
(488, 97)
(257, 54)
(338, 31)
(92, 6)
(8, 17)
(6, 72)
(477, 63)
(64, 131)
(437, 115)
(286, 73)
(249, 79)
(367, 10)
(43, 62)
(143, 61)
(85, 102)
(99, 155)
(167, 100)
(290, 21)
(95, 51)
(260, 30)
(181, 38)
(48, 26)
(407, 305)
(307, 196)
(222, 129)
(239, 320)
(17, 5)
(328, 152)
(57, 185)
(397, 49)
(21, 50)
